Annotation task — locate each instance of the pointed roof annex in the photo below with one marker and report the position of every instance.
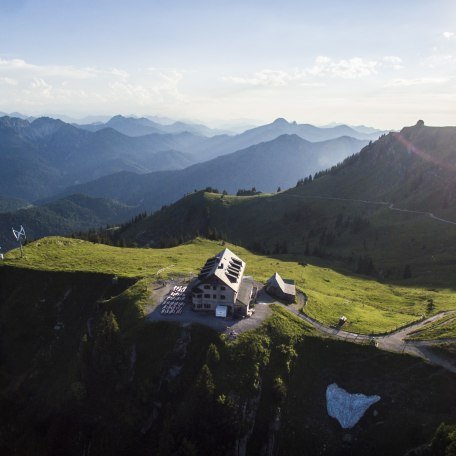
(277, 281)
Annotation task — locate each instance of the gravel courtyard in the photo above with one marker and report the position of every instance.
(223, 325)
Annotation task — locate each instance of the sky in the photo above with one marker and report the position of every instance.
(380, 63)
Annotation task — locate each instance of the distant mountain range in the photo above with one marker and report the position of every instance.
(42, 157)
(144, 164)
(45, 156)
(134, 126)
(266, 166)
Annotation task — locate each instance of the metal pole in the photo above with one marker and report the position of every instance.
(22, 252)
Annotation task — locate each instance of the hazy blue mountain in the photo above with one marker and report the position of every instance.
(197, 129)
(359, 128)
(42, 157)
(224, 144)
(131, 126)
(140, 126)
(266, 166)
(210, 146)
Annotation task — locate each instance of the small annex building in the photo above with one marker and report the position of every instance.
(222, 288)
(281, 289)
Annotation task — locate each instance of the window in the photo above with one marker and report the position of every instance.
(214, 296)
(207, 306)
(207, 296)
(207, 287)
(199, 306)
(199, 296)
(222, 288)
(214, 287)
(222, 296)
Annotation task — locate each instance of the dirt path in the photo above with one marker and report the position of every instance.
(379, 203)
(393, 341)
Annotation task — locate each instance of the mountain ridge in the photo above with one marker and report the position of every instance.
(266, 166)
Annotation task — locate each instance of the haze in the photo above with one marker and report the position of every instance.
(378, 63)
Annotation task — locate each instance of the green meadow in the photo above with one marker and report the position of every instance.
(445, 328)
(369, 305)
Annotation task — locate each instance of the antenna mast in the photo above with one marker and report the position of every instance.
(19, 235)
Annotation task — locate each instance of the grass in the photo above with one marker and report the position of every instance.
(370, 306)
(445, 328)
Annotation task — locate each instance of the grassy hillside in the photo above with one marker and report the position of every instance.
(351, 232)
(445, 328)
(369, 305)
(81, 371)
(343, 213)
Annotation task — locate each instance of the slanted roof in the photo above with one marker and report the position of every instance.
(226, 266)
(287, 287)
(245, 291)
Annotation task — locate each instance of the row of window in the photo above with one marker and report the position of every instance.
(214, 287)
(208, 296)
(206, 306)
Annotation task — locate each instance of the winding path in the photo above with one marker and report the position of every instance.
(379, 203)
(394, 341)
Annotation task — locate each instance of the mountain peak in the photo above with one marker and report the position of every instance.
(280, 121)
(117, 117)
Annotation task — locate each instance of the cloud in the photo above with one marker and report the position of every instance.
(265, 78)
(20, 66)
(448, 35)
(415, 82)
(8, 81)
(440, 60)
(24, 85)
(323, 67)
(392, 61)
(346, 68)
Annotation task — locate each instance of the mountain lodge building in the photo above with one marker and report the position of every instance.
(221, 286)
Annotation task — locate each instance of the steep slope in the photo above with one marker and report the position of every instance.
(266, 166)
(73, 213)
(415, 169)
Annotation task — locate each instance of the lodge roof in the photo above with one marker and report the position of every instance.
(225, 266)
